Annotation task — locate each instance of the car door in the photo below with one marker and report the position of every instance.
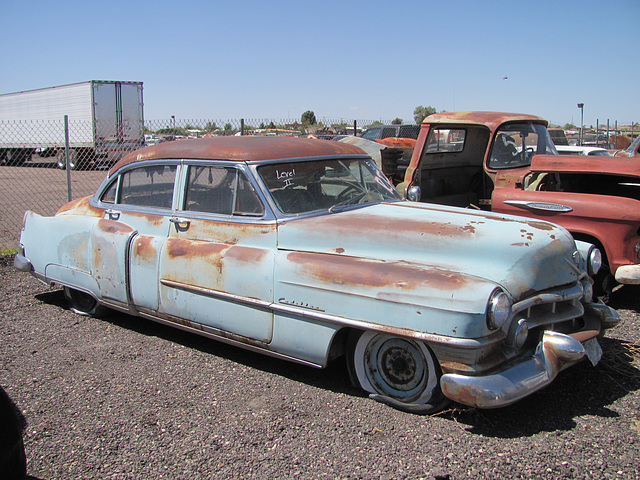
(127, 241)
(216, 269)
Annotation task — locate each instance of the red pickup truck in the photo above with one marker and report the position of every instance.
(507, 163)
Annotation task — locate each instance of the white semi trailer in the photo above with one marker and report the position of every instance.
(105, 121)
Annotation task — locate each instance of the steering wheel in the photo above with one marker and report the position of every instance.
(350, 191)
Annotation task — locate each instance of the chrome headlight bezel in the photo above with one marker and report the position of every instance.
(594, 261)
(498, 309)
(591, 256)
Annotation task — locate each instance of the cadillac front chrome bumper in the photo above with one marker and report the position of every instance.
(553, 354)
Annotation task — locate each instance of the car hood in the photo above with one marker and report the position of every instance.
(522, 255)
(594, 164)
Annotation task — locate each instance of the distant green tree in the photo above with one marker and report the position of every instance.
(271, 125)
(210, 127)
(420, 113)
(569, 126)
(397, 121)
(308, 118)
(228, 129)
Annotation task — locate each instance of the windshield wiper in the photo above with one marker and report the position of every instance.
(348, 201)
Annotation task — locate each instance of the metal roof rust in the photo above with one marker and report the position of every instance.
(492, 120)
(241, 148)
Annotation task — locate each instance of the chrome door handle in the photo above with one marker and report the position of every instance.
(112, 214)
(180, 223)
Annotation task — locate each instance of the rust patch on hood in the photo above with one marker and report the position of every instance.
(378, 223)
(341, 270)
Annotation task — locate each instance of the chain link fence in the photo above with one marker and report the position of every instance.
(33, 157)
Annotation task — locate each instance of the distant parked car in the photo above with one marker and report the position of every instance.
(386, 131)
(576, 150)
(303, 250)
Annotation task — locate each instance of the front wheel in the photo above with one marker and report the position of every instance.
(398, 371)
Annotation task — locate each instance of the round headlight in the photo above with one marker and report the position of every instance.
(498, 309)
(595, 261)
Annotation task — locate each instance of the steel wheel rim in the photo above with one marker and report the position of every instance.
(398, 367)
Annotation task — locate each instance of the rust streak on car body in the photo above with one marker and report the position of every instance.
(246, 254)
(112, 226)
(177, 247)
(81, 206)
(144, 249)
(341, 270)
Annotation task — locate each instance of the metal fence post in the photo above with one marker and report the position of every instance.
(66, 156)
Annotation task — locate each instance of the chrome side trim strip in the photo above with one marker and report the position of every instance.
(317, 315)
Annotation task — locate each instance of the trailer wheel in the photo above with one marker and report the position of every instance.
(17, 156)
(79, 158)
(61, 160)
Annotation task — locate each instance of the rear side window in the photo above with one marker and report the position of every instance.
(221, 190)
(150, 186)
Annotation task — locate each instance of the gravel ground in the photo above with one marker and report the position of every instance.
(122, 397)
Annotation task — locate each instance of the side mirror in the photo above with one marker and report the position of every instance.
(413, 194)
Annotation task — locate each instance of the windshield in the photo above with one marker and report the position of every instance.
(632, 148)
(301, 187)
(516, 143)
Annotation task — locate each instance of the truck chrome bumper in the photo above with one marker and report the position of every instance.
(628, 274)
(555, 352)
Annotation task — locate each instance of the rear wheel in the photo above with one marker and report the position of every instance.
(82, 303)
(396, 370)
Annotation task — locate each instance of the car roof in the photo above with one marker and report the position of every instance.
(239, 148)
(575, 148)
(493, 120)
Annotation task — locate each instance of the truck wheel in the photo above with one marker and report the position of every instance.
(402, 370)
(61, 159)
(82, 303)
(79, 158)
(17, 156)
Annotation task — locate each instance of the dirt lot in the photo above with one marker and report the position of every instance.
(124, 398)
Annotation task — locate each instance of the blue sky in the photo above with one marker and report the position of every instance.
(364, 60)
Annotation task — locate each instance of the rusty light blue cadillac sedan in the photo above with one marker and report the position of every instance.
(302, 249)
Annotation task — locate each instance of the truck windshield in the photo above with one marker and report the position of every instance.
(516, 143)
